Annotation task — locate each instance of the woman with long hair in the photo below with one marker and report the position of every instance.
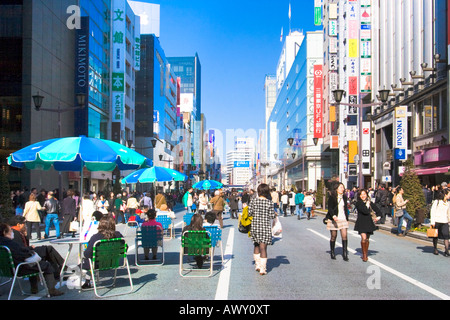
(196, 225)
(365, 222)
(106, 231)
(337, 219)
(262, 210)
(31, 214)
(440, 218)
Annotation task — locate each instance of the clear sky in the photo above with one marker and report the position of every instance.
(238, 43)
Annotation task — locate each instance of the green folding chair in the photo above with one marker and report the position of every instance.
(149, 237)
(109, 255)
(8, 270)
(195, 243)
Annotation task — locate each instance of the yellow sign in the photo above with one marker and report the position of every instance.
(353, 48)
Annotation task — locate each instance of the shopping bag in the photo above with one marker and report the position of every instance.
(277, 229)
(432, 233)
(74, 226)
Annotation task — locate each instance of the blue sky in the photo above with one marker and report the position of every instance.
(238, 43)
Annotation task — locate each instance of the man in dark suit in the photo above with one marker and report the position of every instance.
(382, 201)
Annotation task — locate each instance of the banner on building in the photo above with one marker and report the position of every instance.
(401, 128)
(318, 102)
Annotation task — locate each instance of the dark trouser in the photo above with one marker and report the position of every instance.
(292, 210)
(30, 225)
(119, 213)
(49, 254)
(66, 224)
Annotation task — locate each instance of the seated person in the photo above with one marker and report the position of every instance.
(20, 254)
(165, 210)
(106, 231)
(92, 227)
(135, 216)
(196, 225)
(210, 218)
(47, 253)
(151, 214)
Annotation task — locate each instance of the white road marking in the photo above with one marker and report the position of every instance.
(224, 280)
(419, 284)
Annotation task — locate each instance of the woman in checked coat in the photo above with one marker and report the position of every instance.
(262, 211)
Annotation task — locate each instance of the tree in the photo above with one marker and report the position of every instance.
(412, 189)
(6, 208)
(321, 188)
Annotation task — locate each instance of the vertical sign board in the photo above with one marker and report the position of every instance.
(318, 102)
(137, 43)
(118, 58)
(401, 129)
(82, 76)
(366, 147)
(317, 12)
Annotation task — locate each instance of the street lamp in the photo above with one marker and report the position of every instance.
(38, 99)
(383, 97)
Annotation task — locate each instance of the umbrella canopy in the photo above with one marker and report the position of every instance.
(154, 174)
(207, 185)
(73, 154)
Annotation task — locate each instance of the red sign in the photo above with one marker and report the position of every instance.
(318, 102)
(353, 86)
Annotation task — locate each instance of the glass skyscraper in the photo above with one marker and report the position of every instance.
(93, 120)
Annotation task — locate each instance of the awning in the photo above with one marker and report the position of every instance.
(431, 171)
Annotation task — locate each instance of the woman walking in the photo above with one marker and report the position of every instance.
(262, 211)
(440, 218)
(31, 214)
(400, 212)
(365, 222)
(337, 219)
(218, 206)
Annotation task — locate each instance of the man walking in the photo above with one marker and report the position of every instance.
(51, 205)
(382, 201)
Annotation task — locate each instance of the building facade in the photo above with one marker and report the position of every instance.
(36, 56)
(293, 116)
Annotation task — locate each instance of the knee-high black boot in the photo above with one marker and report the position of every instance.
(345, 250)
(332, 253)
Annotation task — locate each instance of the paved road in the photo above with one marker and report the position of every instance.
(299, 268)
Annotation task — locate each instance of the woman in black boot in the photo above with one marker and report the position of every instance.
(365, 223)
(337, 218)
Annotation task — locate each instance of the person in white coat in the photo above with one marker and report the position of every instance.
(308, 203)
(440, 218)
(87, 208)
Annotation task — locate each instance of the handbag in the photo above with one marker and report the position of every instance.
(432, 233)
(74, 226)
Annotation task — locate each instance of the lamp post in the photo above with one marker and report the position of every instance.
(383, 97)
(39, 99)
(162, 160)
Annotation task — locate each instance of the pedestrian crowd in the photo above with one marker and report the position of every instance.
(98, 215)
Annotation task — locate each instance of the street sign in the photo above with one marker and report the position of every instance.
(352, 170)
(400, 154)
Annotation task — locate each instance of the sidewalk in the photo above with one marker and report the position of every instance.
(388, 226)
